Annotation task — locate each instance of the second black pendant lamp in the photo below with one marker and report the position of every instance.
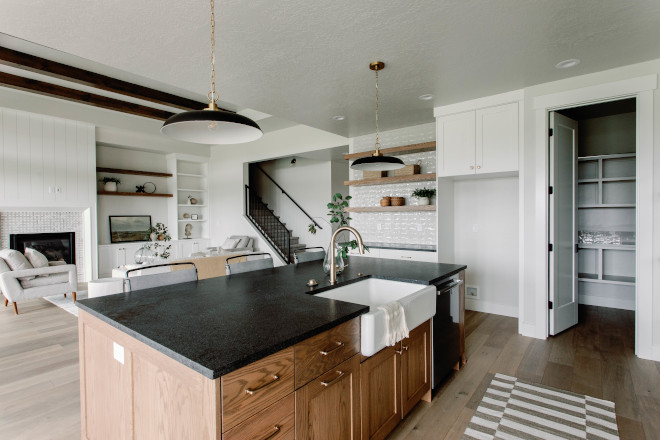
(377, 161)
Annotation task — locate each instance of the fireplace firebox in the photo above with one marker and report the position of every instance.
(56, 246)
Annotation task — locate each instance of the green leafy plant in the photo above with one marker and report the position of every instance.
(312, 229)
(160, 250)
(110, 179)
(338, 215)
(423, 192)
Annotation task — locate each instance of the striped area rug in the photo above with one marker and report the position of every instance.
(514, 409)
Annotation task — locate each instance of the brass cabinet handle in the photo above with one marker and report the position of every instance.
(471, 167)
(336, 347)
(339, 374)
(403, 347)
(276, 430)
(252, 391)
(478, 167)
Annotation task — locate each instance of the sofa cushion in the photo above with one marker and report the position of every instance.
(49, 280)
(16, 261)
(36, 258)
(3, 266)
(230, 243)
(242, 240)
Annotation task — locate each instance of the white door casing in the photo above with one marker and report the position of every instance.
(563, 284)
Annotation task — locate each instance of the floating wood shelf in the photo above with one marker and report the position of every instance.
(406, 208)
(404, 149)
(132, 172)
(117, 193)
(388, 180)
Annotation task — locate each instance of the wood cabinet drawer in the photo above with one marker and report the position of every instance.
(250, 389)
(277, 422)
(320, 353)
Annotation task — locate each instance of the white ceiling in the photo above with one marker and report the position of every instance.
(307, 60)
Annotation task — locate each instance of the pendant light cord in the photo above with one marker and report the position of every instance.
(213, 97)
(377, 136)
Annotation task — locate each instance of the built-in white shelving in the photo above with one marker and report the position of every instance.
(190, 180)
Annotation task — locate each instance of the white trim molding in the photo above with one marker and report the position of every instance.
(490, 307)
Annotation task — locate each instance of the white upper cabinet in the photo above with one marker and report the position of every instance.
(480, 141)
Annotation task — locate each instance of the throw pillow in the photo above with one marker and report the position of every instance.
(36, 258)
(242, 241)
(16, 261)
(230, 243)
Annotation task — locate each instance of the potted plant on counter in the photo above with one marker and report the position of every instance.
(110, 184)
(158, 233)
(423, 195)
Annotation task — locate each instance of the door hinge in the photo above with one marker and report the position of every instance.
(577, 248)
(549, 247)
(550, 132)
(550, 305)
(551, 190)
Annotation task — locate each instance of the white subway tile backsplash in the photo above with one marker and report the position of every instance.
(415, 227)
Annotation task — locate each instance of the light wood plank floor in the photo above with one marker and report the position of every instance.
(39, 388)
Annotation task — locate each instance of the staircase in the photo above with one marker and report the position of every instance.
(270, 226)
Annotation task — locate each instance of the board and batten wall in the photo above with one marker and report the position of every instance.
(48, 164)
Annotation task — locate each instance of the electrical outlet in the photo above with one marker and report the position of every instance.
(475, 228)
(471, 292)
(118, 352)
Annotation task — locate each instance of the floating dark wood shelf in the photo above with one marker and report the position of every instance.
(132, 172)
(405, 208)
(395, 179)
(404, 149)
(118, 193)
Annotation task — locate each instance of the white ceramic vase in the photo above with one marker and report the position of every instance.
(423, 201)
(110, 186)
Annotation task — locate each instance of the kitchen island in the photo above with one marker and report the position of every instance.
(178, 361)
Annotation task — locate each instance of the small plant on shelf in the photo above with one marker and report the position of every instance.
(158, 233)
(423, 195)
(110, 183)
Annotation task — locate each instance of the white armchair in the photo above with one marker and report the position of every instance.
(47, 281)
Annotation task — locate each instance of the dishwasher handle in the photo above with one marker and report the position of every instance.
(448, 287)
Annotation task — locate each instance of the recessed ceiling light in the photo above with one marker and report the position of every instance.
(339, 118)
(567, 63)
(426, 97)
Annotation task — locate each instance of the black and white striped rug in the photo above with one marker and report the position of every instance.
(514, 409)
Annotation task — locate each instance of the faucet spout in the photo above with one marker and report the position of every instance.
(333, 257)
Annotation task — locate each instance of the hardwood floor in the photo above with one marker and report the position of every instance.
(39, 388)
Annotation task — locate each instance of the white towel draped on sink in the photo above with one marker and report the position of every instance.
(397, 329)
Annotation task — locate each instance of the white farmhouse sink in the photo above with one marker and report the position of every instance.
(418, 302)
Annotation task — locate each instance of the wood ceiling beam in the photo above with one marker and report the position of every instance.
(56, 91)
(54, 69)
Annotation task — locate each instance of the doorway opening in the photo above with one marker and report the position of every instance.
(592, 210)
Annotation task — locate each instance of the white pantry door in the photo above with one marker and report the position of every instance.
(563, 270)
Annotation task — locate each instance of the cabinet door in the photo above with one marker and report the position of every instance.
(415, 366)
(380, 384)
(497, 139)
(455, 144)
(329, 407)
(107, 261)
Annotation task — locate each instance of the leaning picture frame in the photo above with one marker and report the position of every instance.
(129, 228)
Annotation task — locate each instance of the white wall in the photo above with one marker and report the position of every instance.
(111, 157)
(486, 239)
(227, 174)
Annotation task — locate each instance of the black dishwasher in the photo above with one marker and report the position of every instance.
(445, 330)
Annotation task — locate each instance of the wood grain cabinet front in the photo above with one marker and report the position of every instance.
(253, 388)
(329, 407)
(416, 367)
(277, 422)
(318, 354)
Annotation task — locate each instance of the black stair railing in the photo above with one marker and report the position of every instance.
(270, 226)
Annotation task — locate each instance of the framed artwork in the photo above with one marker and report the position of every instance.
(194, 217)
(127, 228)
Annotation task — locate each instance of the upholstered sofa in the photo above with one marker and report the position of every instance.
(25, 282)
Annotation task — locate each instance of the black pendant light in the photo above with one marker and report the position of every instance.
(212, 125)
(377, 161)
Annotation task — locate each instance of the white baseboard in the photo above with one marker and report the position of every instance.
(615, 303)
(530, 330)
(489, 307)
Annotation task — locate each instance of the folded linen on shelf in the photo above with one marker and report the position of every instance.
(397, 329)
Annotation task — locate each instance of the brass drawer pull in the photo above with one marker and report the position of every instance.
(339, 374)
(276, 430)
(252, 391)
(337, 347)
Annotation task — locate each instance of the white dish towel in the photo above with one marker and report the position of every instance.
(397, 329)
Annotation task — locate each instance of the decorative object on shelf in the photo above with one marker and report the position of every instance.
(139, 188)
(149, 187)
(377, 161)
(423, 195)
(186, 215)
(212, 125)
(188, 230)
(161, 250)
(110, 184)
(386, 201)
(144, 255)
(192, 200)
(373, 174)
(127, 228)
(409, 170)
(398, 201)
(337, 215)
(194, 217)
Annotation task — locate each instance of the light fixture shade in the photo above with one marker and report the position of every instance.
(378, 163)
(211, 127)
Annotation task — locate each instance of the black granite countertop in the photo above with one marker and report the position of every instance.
(218, 325)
